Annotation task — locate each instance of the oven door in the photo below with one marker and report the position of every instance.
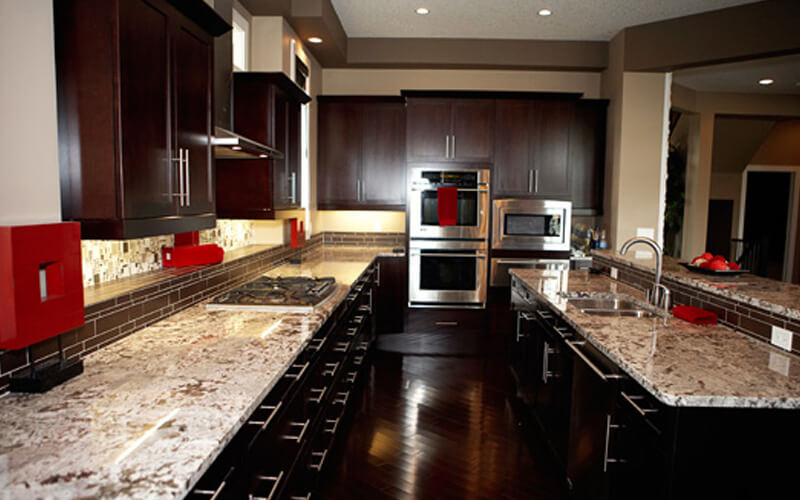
(473, 209)
(447, 274)
(531, 225)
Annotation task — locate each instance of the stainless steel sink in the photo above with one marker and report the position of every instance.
(611, 306)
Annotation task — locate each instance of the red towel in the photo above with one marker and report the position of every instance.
(191, 255)
(447, 205)
(695, 315)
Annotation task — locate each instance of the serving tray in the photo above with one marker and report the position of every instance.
(712, 272)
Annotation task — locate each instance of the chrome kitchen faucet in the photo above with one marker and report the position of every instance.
(659, 295)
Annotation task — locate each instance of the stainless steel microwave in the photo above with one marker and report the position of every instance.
(531, 225)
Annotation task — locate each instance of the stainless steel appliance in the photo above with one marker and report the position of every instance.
(500, 266)
(291, 294)
(531, 225)
(447, 273)
(473, 202)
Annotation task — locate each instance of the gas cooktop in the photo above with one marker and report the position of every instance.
(295, 294)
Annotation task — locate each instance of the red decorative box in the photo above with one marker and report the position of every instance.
(41, 287)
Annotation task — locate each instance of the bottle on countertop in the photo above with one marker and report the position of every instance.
(603, 243)
(595, 236)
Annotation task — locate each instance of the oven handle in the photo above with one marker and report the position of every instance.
(479, 190)
(425, 254)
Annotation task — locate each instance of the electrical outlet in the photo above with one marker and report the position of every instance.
(781, 337)
(614, 272)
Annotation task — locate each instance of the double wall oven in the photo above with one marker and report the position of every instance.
(448, 262)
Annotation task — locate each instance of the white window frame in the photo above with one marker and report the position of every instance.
(241, 28)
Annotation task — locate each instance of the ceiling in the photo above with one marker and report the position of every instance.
(744, 76)
(596, 20)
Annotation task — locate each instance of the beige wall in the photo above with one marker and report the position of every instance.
(361, 221)
(782, 145)
(728, 186)
(698, 176)
(635, 148)
(29, 177)
(392, 81)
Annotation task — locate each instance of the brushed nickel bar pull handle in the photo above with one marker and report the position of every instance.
(277, 481)
(298, 437)
(605, 377)
(342, 347)
(188, 178)
(302, 371)
(446, 323)
(536, 180)
(321, 394)
(341, 398)
(530, 181)
(335, 426)
(322, 455)
(294, 188)
(330, 369)
(358, 360)
(351, 377)
(453, 147)
(606, 459)
(358, 319)
(351, 332)
(526, 316)
(307, 497)
(378, 276)
(264, 424)
(362, 346)
(642, 411)
(447, 146)
(179, 159)
(214, 494)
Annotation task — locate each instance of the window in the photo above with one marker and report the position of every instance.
(241, 32)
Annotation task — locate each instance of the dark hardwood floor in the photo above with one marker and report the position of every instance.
(434, 421)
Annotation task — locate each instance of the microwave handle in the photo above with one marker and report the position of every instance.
(472, 255)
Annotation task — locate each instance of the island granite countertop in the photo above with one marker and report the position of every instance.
(774, 296)
(681, 364)
(151, 412)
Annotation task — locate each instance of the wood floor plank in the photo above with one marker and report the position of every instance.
(439, 427)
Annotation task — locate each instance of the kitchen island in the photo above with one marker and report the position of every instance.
(653, 406)
(152, 411)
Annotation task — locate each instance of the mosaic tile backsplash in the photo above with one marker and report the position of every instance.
(106, 260)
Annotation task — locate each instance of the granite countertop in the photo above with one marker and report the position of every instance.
(775, 296)
(679, 363)
(151, 412)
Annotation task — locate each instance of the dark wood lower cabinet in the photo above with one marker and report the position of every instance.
(612, 439)
(391, 289)
(282, 449)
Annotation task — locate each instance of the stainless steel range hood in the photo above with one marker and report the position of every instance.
(232, 146)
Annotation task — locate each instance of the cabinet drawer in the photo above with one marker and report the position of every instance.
(446, 320)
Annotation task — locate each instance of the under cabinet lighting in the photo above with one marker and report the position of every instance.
(262, 156)
(423, 11)
(766, 81)
(315, 39)
(545, 12)
(236, 148)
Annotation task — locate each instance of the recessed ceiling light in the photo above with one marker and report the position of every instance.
(545, 12)
(236, 148)
(766, 81)
(315, 39)
(262, 156)
(422, 11)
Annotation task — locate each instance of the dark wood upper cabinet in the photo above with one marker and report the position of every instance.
(587, 156)
(532, 147)
(361, 155)
(450, 129)
(135, 115)
(266, 109)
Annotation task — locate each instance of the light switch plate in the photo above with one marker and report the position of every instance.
(647, 232)
(781, 337)
(614, 273)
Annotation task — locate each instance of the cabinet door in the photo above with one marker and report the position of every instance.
(148, 170)
(551, 122)
(587, 151)
(512, 166)
(429, 128)
(390, 289)
(339, 155)
(383, 166)
(192, 69)
(280, 176)
(472, 137)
